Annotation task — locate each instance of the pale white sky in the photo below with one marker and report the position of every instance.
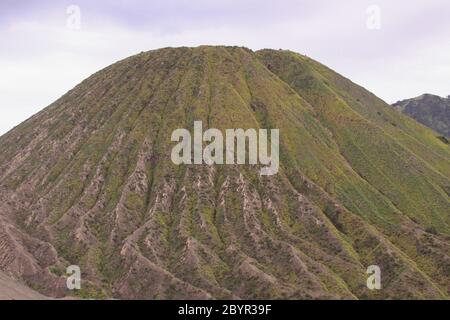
(43, 54)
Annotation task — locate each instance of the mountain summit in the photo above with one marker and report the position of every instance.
(89, 181)
(430, 110)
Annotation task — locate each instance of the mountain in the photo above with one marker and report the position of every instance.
(89, 181)
(430, 110)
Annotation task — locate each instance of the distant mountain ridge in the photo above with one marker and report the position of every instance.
(428, 109)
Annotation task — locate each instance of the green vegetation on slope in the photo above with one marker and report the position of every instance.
(359, 183)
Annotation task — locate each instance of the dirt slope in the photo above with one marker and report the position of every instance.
(13, 290)
(89, 181)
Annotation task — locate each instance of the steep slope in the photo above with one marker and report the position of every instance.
(89, 181)
(13, 290)
(430, 110)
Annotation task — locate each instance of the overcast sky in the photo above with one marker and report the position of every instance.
(395, 50)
